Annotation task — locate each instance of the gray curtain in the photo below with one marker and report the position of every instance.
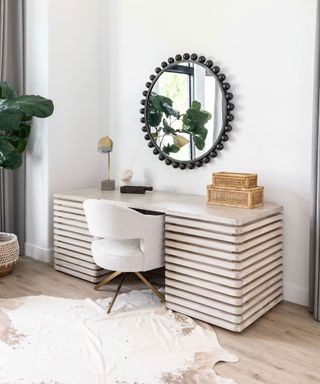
(314, 275)
(12, 183)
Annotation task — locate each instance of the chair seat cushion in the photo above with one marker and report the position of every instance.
(118, 255)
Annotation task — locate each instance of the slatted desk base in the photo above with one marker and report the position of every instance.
(72, 241)
(226, 275)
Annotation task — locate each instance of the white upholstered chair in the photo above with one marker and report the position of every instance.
(125, 240)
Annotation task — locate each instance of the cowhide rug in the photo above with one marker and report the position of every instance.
(49, 340)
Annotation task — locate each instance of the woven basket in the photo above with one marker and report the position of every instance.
(9, 252)
(234, 180)
(239, 198)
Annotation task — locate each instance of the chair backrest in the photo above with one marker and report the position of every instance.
(109, 220)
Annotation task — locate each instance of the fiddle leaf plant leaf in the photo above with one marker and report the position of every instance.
(9, 120)
(18, 143)
(196, 105)
(5, 149)
(169, 111)
(164, 104)
(170, 148)
(33, 105)
(154, 117)
(154, 135)
(195, 119)
(14, 161)
(199, 142)
(9, 157)
(167, 129)
(194, 122)
(6, 92)
(157, 106)
(24, 131)
(16, 113)
(158, 101)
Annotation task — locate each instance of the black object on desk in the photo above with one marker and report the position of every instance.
(135, 189)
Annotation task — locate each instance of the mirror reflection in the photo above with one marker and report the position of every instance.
(185, 111)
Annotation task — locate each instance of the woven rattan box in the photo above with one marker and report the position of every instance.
(239, 198)
(234, 180)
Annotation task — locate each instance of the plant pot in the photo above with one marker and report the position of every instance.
(9, 252)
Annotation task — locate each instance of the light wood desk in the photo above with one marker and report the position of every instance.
(222, 265)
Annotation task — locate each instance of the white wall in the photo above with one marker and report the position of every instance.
(266, 48)
(63, 63)
(93, 57)
(37, 212)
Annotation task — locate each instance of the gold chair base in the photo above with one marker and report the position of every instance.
(113, 275)
(107, 280)
(149, 285)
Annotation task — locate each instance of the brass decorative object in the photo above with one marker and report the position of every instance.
(105, 145)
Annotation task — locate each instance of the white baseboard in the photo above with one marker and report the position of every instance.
(38, 253)
(295, 294)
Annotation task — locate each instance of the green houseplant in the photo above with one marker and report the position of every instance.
(161, 117)
(16, 113)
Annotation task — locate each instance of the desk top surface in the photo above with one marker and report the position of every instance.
(178, 204)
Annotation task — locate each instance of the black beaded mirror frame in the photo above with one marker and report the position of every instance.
(228, 116)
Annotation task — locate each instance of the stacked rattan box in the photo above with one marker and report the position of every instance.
(72, 240)
(235, 190)
(227, 273)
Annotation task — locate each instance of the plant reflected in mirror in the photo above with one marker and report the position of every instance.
(169, 136)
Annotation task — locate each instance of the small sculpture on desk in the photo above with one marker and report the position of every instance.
(126, 176)
(105, 145)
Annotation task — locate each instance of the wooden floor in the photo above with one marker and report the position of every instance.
(283, 347)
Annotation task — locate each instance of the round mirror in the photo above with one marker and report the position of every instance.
(187, 110)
